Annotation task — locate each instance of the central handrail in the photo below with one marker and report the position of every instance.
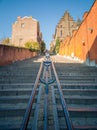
(31, 100)
(46, 80)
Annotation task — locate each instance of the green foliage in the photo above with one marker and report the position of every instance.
(79, 22)
(42, 46)
(57, 45)
(6, 41)
(52, 49)
(33, 46)
(36, 46)
(12, 45)
(28, 44)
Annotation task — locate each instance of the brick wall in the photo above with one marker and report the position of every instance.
(10, 54)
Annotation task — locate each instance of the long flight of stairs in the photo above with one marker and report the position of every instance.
(79, 86)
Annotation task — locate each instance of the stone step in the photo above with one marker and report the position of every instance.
(78, 77)
(16, 86)
(27, 91)
(17, 81)
(17, 92)
(80, 100)
(79, 92)
(14, 110)
(77, 86)
(17, 78)
(63, 85)
(77, 74)
(78, 81)
(14, 99)
(86, 100)
(81, 118)
(12, 123)
(80, 112)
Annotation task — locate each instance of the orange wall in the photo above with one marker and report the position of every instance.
(83, 43)
(10, 54)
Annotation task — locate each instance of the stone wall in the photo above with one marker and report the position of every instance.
(10, 54)
(64, 28)
(24, 30)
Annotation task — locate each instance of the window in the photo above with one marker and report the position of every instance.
(61, 33)
(22, 25)
(38, 33)
(20, 41)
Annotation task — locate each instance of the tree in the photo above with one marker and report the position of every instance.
(5, 41)
(42, 46)
(28, 44)
(33, 46)
(79, 22)
(57, 45)
(36, 46)
(52, 49)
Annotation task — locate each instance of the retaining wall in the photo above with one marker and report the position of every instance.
(9, 54)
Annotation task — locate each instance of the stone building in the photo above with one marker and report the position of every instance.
(25, 29)
(65, 27)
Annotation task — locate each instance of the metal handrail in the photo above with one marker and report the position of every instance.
(66, 113)
(31, 100)
(46, 81)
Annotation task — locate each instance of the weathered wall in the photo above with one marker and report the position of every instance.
(24, 30)
(10, 54)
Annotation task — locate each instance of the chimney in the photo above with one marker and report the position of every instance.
(85, 15)
(19, 18)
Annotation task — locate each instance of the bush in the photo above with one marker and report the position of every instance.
(57, 46)
(33, 46)
(6, 41)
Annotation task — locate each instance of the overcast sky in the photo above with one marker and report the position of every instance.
(47, 12)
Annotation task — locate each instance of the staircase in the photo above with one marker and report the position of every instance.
(16, 83)
(79, 87)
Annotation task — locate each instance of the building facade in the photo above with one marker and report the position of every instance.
(64, 28)
(24, 30)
